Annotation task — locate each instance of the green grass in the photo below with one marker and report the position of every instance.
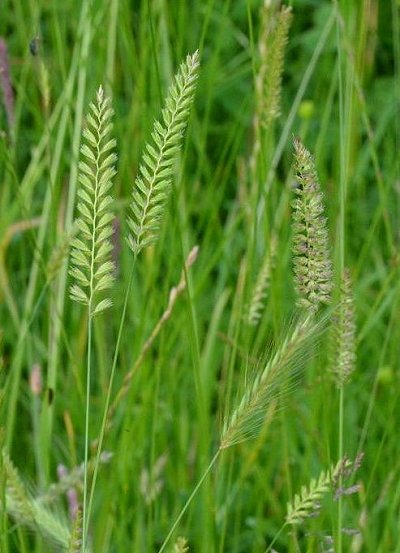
(185, 362)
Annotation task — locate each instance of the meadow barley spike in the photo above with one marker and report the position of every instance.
(344, 329)
(153, 183)
(312, 265)
(92, 269)
(273, 383)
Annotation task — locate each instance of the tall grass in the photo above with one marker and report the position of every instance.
(235, 333)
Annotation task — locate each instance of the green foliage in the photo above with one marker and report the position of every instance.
(152, 185)
(92, 269)
(186, 354)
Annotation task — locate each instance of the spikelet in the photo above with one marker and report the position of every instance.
(92, 269)
(275, 382)
(181, 546)
(152, 185)
(75, 545)
(273, 41)
(312, 265)
(306, 503)
(344, 329)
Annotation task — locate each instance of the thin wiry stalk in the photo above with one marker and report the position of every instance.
(153, 183)
(189, 500)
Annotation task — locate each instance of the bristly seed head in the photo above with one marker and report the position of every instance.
(312, 265)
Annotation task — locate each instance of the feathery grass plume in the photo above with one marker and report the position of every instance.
(312, 265)
(277, 379)
(181, 546)
(272, 47)
(29, 511)
(153, 183)
(344, 333)
(91, 249)
(260, 290)
(306, 503)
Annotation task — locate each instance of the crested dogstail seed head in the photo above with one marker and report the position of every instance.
(92, 269)
(312, 264)
(153, 183)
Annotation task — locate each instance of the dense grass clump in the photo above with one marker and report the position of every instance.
(199, 276)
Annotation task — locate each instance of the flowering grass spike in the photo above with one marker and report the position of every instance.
(92, 268)
(153, 183)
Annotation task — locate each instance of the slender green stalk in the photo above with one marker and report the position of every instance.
(87, 420)
(109, 389)
(339, 540)
(276, 537)
(341, 254)
(189, 501)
